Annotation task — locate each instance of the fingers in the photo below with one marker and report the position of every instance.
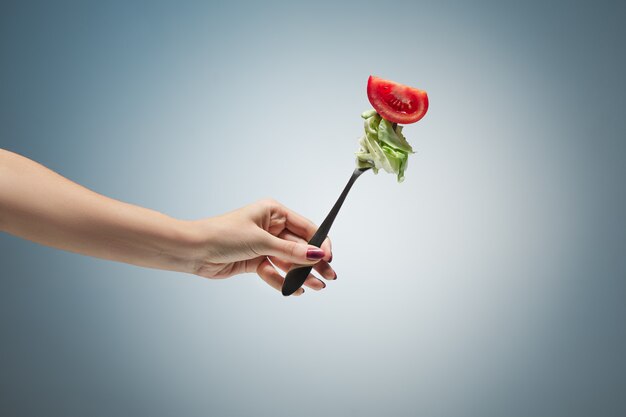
(299, 252)
(325, 270)
(268, 273)
(326, 245)
(299, 224)
(286, 245)
(305, 229)
(322, 267)
(311, 281)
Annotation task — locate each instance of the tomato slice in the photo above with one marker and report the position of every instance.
(396, 102)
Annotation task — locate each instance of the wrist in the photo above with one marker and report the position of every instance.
(191, 242)
(179, 246)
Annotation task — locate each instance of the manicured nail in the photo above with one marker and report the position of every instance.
(314, 254)
(331, 258)
(335, 277)
(324, 284)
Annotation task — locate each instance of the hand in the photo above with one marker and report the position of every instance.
(258, 238)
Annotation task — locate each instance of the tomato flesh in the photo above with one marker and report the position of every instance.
(395, 102)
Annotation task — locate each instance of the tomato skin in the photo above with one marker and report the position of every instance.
(395, 102)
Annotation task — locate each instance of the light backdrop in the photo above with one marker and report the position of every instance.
(490, 283)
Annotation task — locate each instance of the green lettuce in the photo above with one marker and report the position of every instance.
(383, 146)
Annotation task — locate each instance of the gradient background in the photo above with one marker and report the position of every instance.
(490, 283)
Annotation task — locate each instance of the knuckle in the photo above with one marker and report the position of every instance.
(268, 202)
(290, 249)
(264, 268)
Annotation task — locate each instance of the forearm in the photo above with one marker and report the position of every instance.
(42, 206)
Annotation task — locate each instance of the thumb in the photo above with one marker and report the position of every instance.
(294, 252)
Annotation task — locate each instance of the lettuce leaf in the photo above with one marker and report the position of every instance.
(387, 134)
(383, 146)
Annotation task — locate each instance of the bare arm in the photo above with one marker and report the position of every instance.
(39, 205)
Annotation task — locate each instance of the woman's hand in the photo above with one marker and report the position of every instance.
(258, 238)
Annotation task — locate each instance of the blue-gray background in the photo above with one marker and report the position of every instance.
(490, 283)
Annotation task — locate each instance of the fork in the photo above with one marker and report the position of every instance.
(297, 275)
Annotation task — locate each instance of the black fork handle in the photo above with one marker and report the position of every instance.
(297, 275)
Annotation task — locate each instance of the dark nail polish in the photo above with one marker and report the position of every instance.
(335, 279)
(324, 284)
(331, 258)
(314, 254)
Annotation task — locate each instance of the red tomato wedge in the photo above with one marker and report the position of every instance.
(396, 102)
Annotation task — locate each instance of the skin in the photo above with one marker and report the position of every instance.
(40, 205)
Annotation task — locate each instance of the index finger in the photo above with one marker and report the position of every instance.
(288, 234)
(299, 224)
(305, 229)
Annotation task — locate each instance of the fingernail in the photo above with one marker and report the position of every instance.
(335, 277)
(323, 283)
(314, 254)
(331, 258)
